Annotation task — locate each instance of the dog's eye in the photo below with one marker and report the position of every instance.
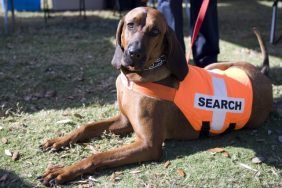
(130, 25)
(155, 32)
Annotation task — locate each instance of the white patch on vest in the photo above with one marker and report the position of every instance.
(219, 104)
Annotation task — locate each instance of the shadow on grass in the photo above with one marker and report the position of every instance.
(64, 64)
(10, 179)
(275, 75)
(263, 141)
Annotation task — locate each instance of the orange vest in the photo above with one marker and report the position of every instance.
(218, 97)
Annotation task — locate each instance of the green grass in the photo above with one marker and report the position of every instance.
(70, 58)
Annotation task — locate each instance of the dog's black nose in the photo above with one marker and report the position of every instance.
(134, 53)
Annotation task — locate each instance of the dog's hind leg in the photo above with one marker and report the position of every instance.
(116, 125)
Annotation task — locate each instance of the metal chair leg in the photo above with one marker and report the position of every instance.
(46, 10)
(82, 8)
(13, 14)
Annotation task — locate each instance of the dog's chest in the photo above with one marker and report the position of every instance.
(127, 98)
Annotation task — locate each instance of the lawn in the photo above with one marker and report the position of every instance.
(57, 76)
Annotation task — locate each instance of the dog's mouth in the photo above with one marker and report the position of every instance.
(155, 65)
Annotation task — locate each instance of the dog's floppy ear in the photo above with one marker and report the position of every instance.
(176, 60)
(116, 61)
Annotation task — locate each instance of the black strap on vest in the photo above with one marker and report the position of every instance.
(205, 130)
(229, 129)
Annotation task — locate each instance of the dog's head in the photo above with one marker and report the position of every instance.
(147, 49)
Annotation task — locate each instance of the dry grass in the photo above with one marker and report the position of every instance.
(52, 72)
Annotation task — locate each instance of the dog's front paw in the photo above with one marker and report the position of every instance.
(57, 175)
(54, 144)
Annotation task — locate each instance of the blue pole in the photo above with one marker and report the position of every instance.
(273, 21)
(5, 8)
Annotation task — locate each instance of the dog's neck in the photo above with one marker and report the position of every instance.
(169, 81)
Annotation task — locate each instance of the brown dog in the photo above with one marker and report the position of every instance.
(142, 37)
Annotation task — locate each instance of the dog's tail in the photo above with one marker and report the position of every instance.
(265, 65)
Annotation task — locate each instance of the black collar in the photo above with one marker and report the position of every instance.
(159, 62)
